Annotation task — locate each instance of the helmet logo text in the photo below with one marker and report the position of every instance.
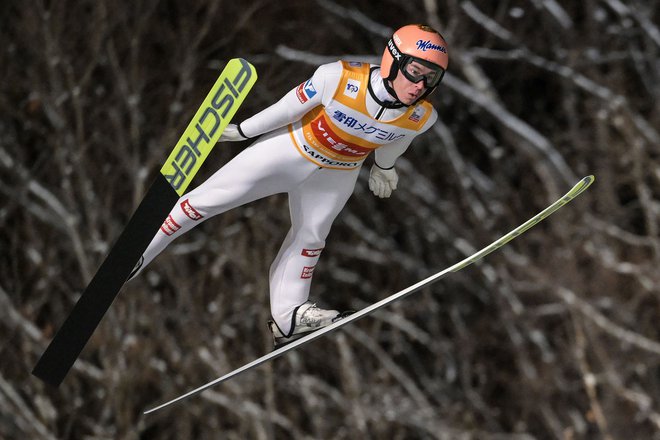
(425, 45)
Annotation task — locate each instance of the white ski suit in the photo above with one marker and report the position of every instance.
(314, 142)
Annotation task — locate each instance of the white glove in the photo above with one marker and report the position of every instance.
(231, 134)
(382, 182)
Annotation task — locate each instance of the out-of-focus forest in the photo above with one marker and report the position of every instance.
(554, 336)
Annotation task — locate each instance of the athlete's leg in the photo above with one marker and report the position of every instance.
(314, 206)
(270, 166)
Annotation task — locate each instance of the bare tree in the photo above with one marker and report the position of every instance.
(554, 336)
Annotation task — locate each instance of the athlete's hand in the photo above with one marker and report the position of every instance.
(382, 182)
(232, 134)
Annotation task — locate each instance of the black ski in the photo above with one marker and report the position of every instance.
(195, 144)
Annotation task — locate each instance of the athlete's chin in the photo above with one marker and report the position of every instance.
(410, 98)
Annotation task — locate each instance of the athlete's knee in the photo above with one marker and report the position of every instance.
(309, 250)
(192, 211)
(181, 219)
(316, 233)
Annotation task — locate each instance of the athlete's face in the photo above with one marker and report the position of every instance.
(406, 90)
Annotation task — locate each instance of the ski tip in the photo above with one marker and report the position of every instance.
(586, 182)
(580, 187)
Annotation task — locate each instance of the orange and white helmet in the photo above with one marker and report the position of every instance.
(415, 42)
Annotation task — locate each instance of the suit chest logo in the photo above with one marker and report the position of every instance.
(352, 88)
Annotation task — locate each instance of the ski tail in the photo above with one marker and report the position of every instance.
(193, 147)
(71, 338)
(578, 189)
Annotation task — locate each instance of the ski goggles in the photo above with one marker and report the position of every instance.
(415, 70)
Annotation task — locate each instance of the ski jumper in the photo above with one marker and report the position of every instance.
(315, 140)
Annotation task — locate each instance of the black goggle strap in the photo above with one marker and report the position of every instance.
(397, 56)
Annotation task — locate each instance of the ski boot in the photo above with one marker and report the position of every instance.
(307, 318)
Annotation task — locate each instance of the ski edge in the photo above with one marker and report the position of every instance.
(578, 189)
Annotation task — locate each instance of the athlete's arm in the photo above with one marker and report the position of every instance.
(383, 178)
(386, 156)
(293, 106)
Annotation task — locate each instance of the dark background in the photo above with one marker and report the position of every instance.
(555, 336)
